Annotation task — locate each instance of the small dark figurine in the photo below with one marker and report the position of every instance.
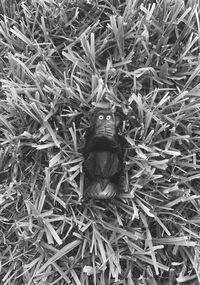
(103, 156)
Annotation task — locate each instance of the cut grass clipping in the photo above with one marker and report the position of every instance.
(59, 61)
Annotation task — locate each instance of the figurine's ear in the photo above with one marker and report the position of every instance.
(117, 120)
(92, 117)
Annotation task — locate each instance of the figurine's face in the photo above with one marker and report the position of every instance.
(106, 123)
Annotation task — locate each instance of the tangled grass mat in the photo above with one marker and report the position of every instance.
(61, 59)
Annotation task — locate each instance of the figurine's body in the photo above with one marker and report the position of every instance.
(103, 156)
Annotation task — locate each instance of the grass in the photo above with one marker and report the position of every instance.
(59, 61)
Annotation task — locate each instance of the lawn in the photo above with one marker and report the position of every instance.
(60, 61)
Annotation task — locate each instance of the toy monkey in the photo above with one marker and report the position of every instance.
(103, 155)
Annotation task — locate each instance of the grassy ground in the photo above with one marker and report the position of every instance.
(59, 61)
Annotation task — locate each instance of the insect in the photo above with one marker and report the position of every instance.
(103, 156)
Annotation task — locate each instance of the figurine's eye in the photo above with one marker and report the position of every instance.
(100, 117)
(108, 117)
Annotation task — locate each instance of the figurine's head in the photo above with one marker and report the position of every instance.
(105, 123)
